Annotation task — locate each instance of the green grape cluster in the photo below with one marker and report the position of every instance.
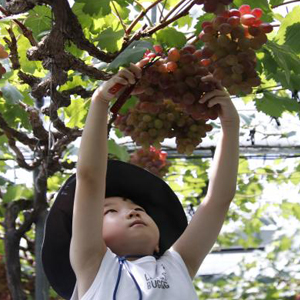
(168, 121)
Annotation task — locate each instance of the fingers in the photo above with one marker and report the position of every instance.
(126, 74)
(215, 93)
(216, 100)
(136, 70)
(143, 62)
(121, 80)
(210, 78)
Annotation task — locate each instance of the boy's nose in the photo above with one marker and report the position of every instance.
(133, 213)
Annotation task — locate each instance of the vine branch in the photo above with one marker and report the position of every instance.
(166, 23)
(27, 32)
(173, 10)
(141, 15)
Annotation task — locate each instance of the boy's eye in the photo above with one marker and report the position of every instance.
(110, 211)
(139, 209)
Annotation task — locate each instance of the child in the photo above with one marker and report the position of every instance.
(122, 233)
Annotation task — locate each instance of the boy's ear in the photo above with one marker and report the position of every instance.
(156, 249)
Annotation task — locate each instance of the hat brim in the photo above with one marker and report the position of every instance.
(124, 180)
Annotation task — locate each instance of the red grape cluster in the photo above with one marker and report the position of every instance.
(152, 159)
(230, 41)
(213, 6)
(151, 123)
(3, 54)
(178, 76)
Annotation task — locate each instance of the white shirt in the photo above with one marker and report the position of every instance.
(166, 278)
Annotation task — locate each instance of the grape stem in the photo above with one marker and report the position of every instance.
(143, 9)
(166, 23)
(119, 17)
(140, 16)
(173, 10)
(285, 3)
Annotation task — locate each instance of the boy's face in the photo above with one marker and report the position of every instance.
(128, 229)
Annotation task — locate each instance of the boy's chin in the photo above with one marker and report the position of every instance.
(133, 250)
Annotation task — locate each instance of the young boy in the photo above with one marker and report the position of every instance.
(122, 233)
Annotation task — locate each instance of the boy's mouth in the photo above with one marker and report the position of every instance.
(137, 222)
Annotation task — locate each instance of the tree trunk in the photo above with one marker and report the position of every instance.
(13, 266)
(12, 239)
(40, 204)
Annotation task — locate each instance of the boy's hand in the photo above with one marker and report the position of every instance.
(227, 113)
(124, 77)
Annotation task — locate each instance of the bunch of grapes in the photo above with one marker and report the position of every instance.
(230, 42)
(144, 126)
(166, 120)
(178, 76)
(213, 6)
(152, 159)
(3, 54)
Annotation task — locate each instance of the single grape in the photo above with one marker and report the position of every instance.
(158, 49)
(257, 12)
(173, 54)
(234, 13)
(234, 21)
(248, 19)
(266, 27)
(245, 9)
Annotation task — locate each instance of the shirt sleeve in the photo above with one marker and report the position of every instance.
(180, 262)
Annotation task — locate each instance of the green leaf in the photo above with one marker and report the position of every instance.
(171, 37)
(85, 20)
(39, 20)
(133, 53)
(201, 19)
(95, 7)
(117, 150)
(121, 8)
(184, 21)
(15, 192)
(11, 94)
(276, 2)
(76, 112)
(285, 243)
(285, 57)
(269, 64)
(293, 84)
(28, 66)
(108, 39)
(289, 30)
(295, 179)
(274, 105)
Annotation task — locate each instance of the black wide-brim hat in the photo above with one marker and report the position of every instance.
(122, 180)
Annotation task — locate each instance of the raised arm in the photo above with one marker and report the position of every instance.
(87, 246)
(204, 228)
